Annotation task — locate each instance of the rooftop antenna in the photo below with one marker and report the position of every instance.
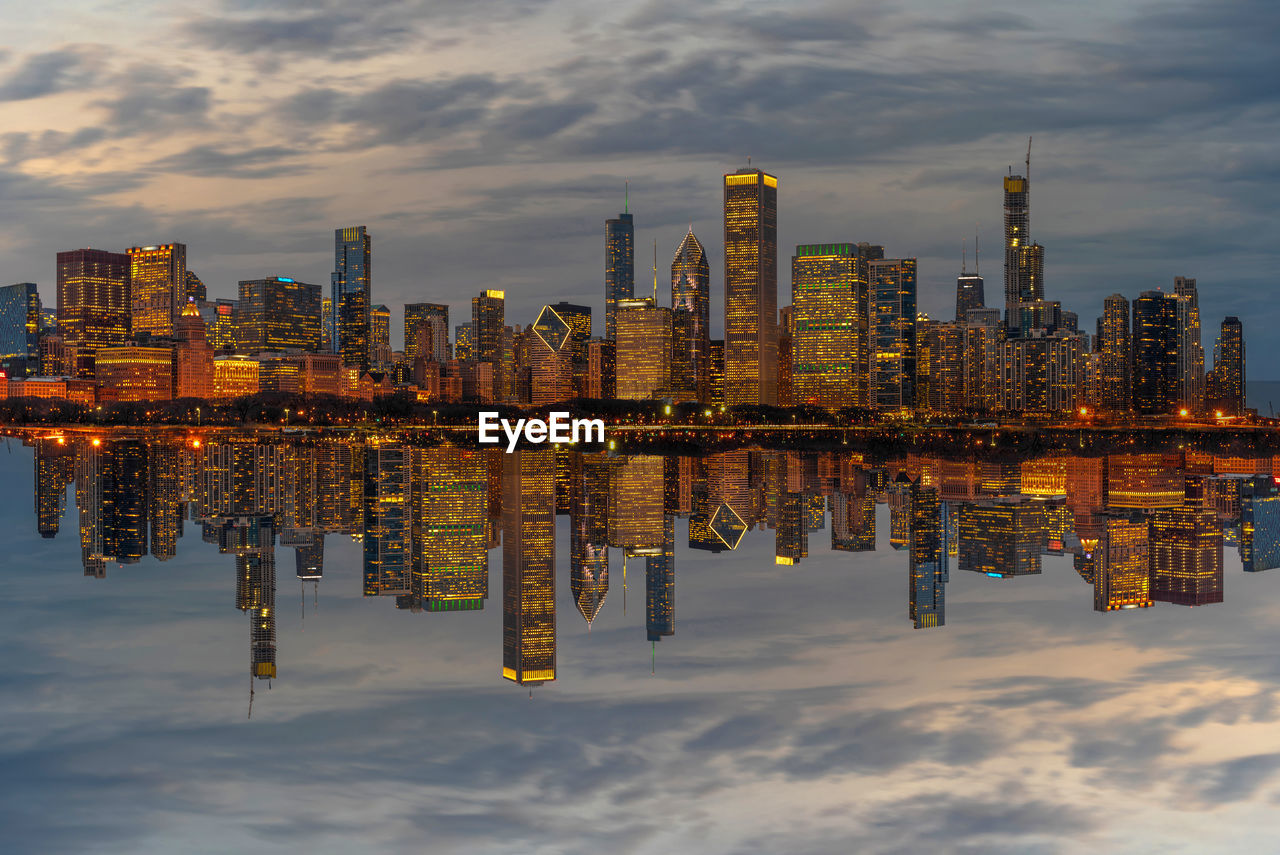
(302, 589)
(624, 583)
(964, 265)
(655, 273)
(653, 657)
(626, 197)
(1028, 158)
(250, 696)
(977, 269)
(748, 161)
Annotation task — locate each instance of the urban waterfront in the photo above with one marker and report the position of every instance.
(244, 639)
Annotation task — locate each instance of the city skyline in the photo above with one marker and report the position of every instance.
(1114, 202)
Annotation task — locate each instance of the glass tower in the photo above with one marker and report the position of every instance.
(619, 267)
(691, 294)
(352, 267)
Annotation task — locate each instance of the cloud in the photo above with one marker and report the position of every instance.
(51, 72)
(210, 162)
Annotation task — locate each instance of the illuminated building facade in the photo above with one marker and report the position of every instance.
(1122, 578)
(20, 329)
(830, 348)
(1116, 362)
(927, 558)
(601, 369)
(550, 360)
(940, 367)
(643, 354)
(853, 523)
(1001, 537)
(1145, 481)
(387, 508)
(660, 586)
(750, 287)
(157, 287)
(1155, 353)
(1040, 374)
(351, 284)
(432, 318)
(1186, 556)
(636, 505)
(380, 336)
(487, 321)
(969, 295)
(192, 356)
(1190, 349)
(1259, 524)
(464, 342)
(691, 295)
(235, 377)
(136, 373)
(619, 267)
(1228, 369)
(892, 286)
(278, 313)
(528, 566)
(93, 301)
(1023, 260)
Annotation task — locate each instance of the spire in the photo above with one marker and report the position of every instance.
(964, 268)
(977, 269)
(655, 273)
(653, 657)
(626, 197)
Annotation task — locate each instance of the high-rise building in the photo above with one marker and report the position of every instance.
(464, 342)
(450, 529)
(927, 554)
(830, 349)
(892, 287)
(750, 287)
(136, 373)
(195, 288)
(1116, 362)
(601, 369)
(1186, 556)
(550, 360)
(278, 313)
(157, 286)
(1122, 557)
(487, 321)
(1228, 369)
(969, 294)
(351, 283)
(528, 566)
(1155, 353)
(1190, 370)
(1259, 524)
(691, 294)
(20, 329)
(192, 355)
(93, 302)
(387, 527)
(660, 586)
(1040, 373)
(643, 349)
(940, 367)
(1001, 537)
(380, 335)
(619, 267)
(1023, 260)
(433, 317)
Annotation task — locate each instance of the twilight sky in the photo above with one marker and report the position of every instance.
(485, 141)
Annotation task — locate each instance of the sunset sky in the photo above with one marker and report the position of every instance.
(484, 142)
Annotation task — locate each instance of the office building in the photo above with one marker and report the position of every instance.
(387, 525)
(691, 304)
(829, 317)
(892, 287)
(157, 287)
(1155, 353)
(94, 307)
(20, 329)
(278, 313)
(643, 349)
(619, 267)
(136, 373)
(192, 355)
(1115, 369)
(1186, 556)
(1189, 374)
(351, 284)
(528, 566)
(426, 323)
(750, 287)
(1228, 369)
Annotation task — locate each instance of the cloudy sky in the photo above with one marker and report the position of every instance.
(485, 141)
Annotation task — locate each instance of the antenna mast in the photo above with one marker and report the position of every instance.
(977, 268)
(655, 273)
(964, 264)
(626, 197)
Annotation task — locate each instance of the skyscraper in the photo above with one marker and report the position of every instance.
(1155, 353)
(20, 329)
(969, 292)
(1190, 371)
(1114, 344)
(487, 320)
(352, 300)
(1186, 556)
(642, 360)
(450, 527)
(158, 287)
(893, 332)
(830, 325)
(387, 536)
(927, 564)
(1023, 260)
(551, 362)
(691, 294)
(380, 336)
(429, 316)
(750, 287)
(1228, 368)
(278, 313)
(619, 267)
(528, 566)
(93, 301)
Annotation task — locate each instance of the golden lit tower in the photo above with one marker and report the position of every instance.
(1023, 260)
(528, 566)
(450, 529)
(433, 317)
(1186, 556)
(158, 286)
(830, 352)
(487, 320)
(1116, 369)
(1122, 577)
(750, 287)
(278, 313)
(642, 356)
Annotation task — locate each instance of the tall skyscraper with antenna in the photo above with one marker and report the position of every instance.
(750, 287)
(1023, 260)
(619, 265)
(969, 293)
